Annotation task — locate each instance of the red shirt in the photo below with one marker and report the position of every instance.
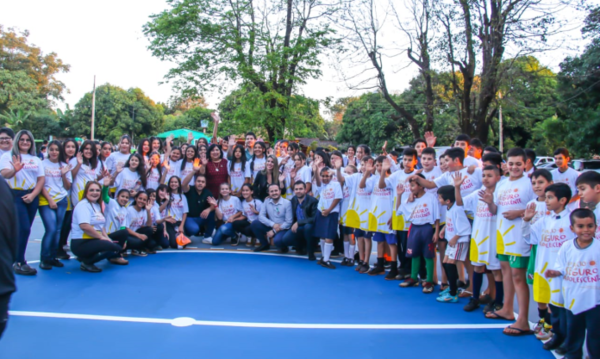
(216, 174)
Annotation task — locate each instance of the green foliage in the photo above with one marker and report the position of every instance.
(42, 124)
(189, 119)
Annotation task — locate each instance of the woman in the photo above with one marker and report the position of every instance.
(24, 172)
(90, 242)
(144, 150)
(238, 170)
(132, 177)
(85, 168)
(139, 216)
(268, 176)
(202, 142)
(257, 163)
(203, 152)
(251, 208)
(54, 202)
(187, 165)
(154, 172)
(215, 169)
(157, 219)
(176, 210)
(71, 148)
(105, 151)
(119, 158)
(350, 158)
(227, 209)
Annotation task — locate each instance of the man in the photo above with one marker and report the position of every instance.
(304, 210)
(274, 220)
(6, 140)
(201, 213)
(250, 140)
(8, 249)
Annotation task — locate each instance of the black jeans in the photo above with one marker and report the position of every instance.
(4, 300)
(172, 233)
(576, 327)
(243, 227)
(91, 251)
(65, 230)
(558, 318)
(405, 262)
(152, 241)
(304, 238)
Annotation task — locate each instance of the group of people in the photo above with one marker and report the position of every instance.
(487, 216)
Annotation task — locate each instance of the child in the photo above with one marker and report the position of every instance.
(509, 202)
(422, 211)
(328, 214)
(549, 233)
(564, 173)
(228, 209)
(578, 263)
(483, 238)
(349, 241)
(251, 207)
(588, 185)
(540, 179)
(457, 231)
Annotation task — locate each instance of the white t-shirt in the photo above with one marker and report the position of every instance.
(423, 210)
(187, 169)
(470, 161)
(250, 215)
(471, 183)
(381, 210)
(483, 234)
(230, 207)
(457, 224)
(116, 216)
(436, 172)
(129, 180)
(238, 176)
(399, 177)
(155, 213)
(115, 159)
(569, 177)
(358, 203)
(549, 233)
(597, 213)
(86, 212)
(174, 170)
(27, 177)
(178, 207)
(2, 152)
(137, 219)
(328, 193)
(259, 165)
(54, 182)
(84, 175)
(512, 195)
(153, 179)
(346, 193)
(581, 275)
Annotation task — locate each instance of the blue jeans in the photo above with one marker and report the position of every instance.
(25, 216)
(52, 219)
(224, 232)
(260, 231)
(193, 225)
(303, 238)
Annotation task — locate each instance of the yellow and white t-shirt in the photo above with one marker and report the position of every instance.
(128, 180)
(238, 176)
(381, 210)
(230, 207)
(483, 234)
(116, 216)
(357, 215)
(27, 177)
(436, 172)
(54, 182)
(137, 219)
(89, 213)
(399, 177)
(85, 174)
(423, 210)
(177, 207)
(327, 194)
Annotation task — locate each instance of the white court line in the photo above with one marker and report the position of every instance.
(191, 321)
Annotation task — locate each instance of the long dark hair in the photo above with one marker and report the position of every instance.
(154, 138)
(264, 147)
(102, 144)
(62, 158)
(158, 166)
(212, 147)
(221, 197)
(140, 168)
(64, 145)
(184, 156)
(158, 189)
(92, 162)
(179, 189)
(242, 158)
(140, 148)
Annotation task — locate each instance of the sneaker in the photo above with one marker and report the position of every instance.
(56, 263)
(207, 240)
(151, 251)
(402, 276)
(62, 255)
(364, 268)
(89, 268)
(119, 261)
(135, 252)
(553, 343)
(360, 263)
(409, 283)
(350, 263)
(428, 287)
(386, 264)
(327, 265)
(538, 326)
(343, 263)
(391, 275)
(448, 299)
(235, 240)
(24, 269)
(562, 350)
(320, 261)
(545, 333)
(45, 265)
(462, 285)
(445, 291)
(472, 305)
(376, 270)
(485, 299)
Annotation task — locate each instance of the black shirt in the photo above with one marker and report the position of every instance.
(197, 202)
(8, 240)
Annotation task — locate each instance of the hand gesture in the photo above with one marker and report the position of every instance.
(512, 214)
(430, 138)
(383, 151)
(486, 197)
(106, 181)
(551, 273)
(281, 177)
(52, 204)
(204, 161)
(149, 206)
(325, 212)
(294, 227)
(79, 158)
(215, 117)
(452, 242)
(119, 168)
(166, 166)
(205, 213)
(170, 219)
(190, 137)
(458, 179)
(529, 212)
(337, 163)
(386, 165)
(232, 140)
(65, 169)
(170, 138)
(284, 161)
(370, 168)
(212, 201)
(400, 188)
(16, 162)
(197, 165)
(270, 151)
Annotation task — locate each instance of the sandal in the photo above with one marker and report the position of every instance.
(465, 294)
(519, 333)
(497, 316)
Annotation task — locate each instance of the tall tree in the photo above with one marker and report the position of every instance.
(272, 45)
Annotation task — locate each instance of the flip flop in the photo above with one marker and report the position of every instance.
(520, 332)
(497, 316)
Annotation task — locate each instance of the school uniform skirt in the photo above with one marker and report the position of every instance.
(326, 227)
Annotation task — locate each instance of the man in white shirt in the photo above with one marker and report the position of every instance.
(6, 140)
(274, 220)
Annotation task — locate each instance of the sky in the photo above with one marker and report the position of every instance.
(105, 39)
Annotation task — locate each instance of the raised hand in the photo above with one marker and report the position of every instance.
(232, 140)
(106, 181)
(16, 162)
(190, 137)
(281, 177)
(486, 197)
(65, 169)
(197, 165)
(386, 165)
(337, 163)
(529, 212)
(370, 168)
(430, 138)
(215, 117)
(79, 158)
(383, 149)
(458, 179)
(204, 161)
(119, 168)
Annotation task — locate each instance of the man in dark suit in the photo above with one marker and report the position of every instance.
(8, 251)
(304, 208)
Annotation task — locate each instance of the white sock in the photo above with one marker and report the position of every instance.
(322, 244)
(347, 249)
(328, 250)
(351, 252)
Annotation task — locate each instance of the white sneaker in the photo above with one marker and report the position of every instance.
(207, 240)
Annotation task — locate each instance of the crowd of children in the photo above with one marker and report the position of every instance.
(489, 217)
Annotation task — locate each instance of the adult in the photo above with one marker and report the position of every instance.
(350, 158)
(268, 176)
(8, 250)
(215, 169)
(6, 140)
(274, 220)
(201, 214)
(24, 172)
(304, 210)
(71, 148)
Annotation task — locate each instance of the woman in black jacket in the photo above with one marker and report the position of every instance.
(268, 176)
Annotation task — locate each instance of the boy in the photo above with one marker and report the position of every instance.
(549, 233)
(588, 185)
(421, 210)
(464, 141)
(578, 263)
(476, 150)
(509, 202)
(380, 215)
(564, 173)
(483, 238)
(457, 232)
(326, 223)
(529, 167)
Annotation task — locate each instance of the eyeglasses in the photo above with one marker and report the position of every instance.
(24, 140)
(5, 139)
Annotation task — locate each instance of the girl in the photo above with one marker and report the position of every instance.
(86, 167)
(71, 148)
(238, 170)
(144, 150)
(228, 209)
(119, 158)
(155, 144)
(215, 169)
(24, 172)
(202, 142)
(350, 158)
(327, 219)
(90, 242)
(321, 160)
(54, 202)
(257, 163)
(268, 176)
(176, 211)
(202, 152)
(157, 220)
(105, 151)
(187, 165)
(251, 208)
(301, 172)
(139, 217)
(155, 172)
(132, 177)
(172, 163)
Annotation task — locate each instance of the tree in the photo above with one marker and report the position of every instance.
(273, 46)
(14, 118)
(20, 60)
(42, 125)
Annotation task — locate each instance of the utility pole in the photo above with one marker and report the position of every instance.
(93, 107)
(500, 131)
